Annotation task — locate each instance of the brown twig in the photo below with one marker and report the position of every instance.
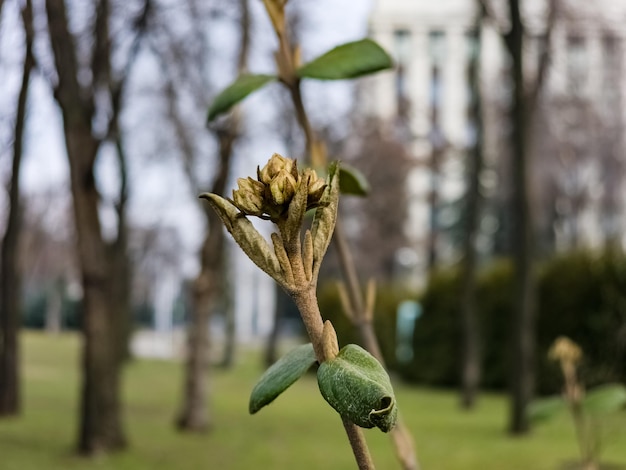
(359, 310)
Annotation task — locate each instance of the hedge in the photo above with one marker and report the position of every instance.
(580, 294)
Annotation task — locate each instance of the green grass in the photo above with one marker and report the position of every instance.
(298, 431)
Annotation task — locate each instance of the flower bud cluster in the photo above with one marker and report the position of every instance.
(271, 193)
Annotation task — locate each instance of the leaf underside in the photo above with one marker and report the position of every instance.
(350, 60)
(237, 91)
(605, 399)
(545, 408)
(281, 375)
(352, 181)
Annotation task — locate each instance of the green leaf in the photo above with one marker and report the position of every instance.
(545, 408)
(357, 386)
(281, 375)
(350, 60)
(605, 399)
(352, 181)
(237, 91)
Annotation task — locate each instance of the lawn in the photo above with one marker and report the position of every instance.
(298, 431)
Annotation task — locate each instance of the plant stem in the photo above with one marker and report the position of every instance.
(403, 441)
(303, 121)
(359, 446)
(306, 301)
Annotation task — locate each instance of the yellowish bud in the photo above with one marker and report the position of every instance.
(275, 165)
(249, 197)
(282, 187)
(565, 350)
(316, 190)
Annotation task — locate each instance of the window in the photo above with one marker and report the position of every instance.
(402, 49)
(577, 63)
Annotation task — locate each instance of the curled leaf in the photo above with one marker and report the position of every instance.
(247, 237)
(357, 386)
(281, 375)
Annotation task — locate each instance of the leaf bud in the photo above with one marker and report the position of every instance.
(282, 187)
(316, 190)
(249, 197)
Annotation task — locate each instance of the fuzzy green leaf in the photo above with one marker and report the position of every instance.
(349, 60)
(352, 181)
(237, 91)
(357, 386)
(325, 217)
(605, 399)
(247, 237)
(281, 375)
(545, 408)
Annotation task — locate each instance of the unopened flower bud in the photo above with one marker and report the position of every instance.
(249, 197)
(316, 190)
(274, 166)
(282, 187)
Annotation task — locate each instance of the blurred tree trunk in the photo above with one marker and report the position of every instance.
(470, 358)
(230, 326)
(122, 270)
(100, 427)
(271, 348)
(10, 286)
(54, 306)
(523, 341)
(194, 415)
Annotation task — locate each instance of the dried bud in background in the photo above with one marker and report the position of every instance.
(565, 350)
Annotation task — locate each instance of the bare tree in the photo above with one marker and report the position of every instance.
(185, 74)
(81, 101)
(470, 335)
(10, 285)
(525, 96)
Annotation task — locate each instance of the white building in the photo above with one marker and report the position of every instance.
(431, 42)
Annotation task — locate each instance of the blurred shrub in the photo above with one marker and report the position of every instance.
(35, 306)
(436, 334)
(581, 295)
(388, 298)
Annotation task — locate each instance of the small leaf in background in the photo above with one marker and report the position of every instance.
(350, 60)
(281, 375)
(352, 181)
(237, 91)
(545, 408)
(357, 386)
(605, 399)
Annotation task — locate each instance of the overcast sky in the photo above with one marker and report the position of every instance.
(327, 23)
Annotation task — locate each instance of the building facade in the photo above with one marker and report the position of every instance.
(583, 98)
